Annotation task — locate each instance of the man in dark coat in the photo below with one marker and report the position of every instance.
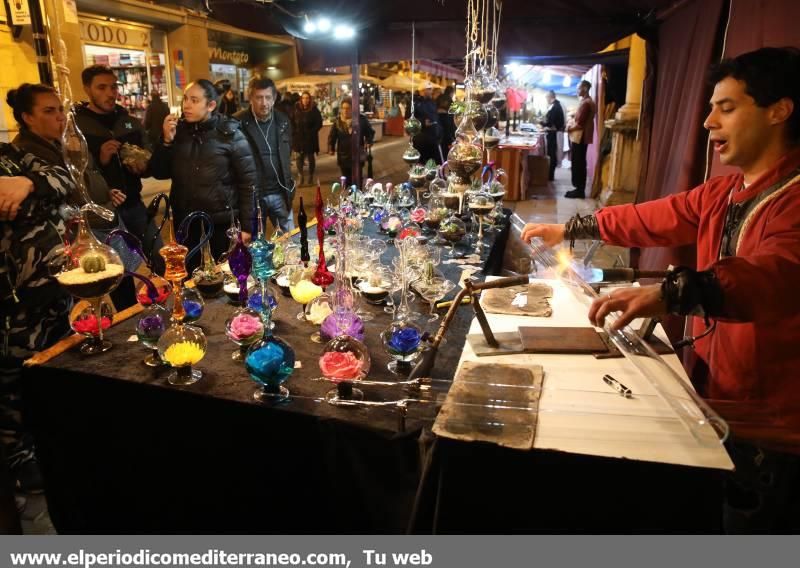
(554, 125)
(306, 124)
(107, 126)
(269, 132)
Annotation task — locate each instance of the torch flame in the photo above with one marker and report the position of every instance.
(564, 261)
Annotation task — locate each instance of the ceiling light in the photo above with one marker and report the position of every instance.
(343, 32)
(324, 24)
(310, 27)
(567, 81)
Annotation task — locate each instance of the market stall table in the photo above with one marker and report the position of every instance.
(512, 156)
(123, 451)
(601, 463)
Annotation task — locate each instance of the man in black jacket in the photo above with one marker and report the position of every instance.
(554, 124)
(270, 135)
(107, 126)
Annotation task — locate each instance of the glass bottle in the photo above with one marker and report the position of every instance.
(91, 271)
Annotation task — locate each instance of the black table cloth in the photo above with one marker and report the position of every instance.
(123, 451)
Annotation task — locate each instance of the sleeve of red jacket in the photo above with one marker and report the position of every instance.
(762, 287)
(670, 221)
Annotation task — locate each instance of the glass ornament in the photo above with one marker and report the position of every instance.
(403, 341)
(344, 359)
(151, 325)
(244, 328)
(181, 347)
(89, 271)
(83, 321)
(270, 363)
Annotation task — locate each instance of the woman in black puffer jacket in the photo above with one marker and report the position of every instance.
(210, 163)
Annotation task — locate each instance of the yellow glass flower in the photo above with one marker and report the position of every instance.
(305, 291)
(183, 353)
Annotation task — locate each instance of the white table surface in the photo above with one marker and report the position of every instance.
(579, 413)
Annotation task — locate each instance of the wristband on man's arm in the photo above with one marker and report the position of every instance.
(688, 292)
(581, 227)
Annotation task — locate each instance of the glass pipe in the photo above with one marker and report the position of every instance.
(322, 277)
(91, 271)
(263, 268)
(302, 222)
(76, 157)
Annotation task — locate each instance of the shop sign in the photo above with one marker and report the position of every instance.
(217, 54)
(20, 12)
(110, 34)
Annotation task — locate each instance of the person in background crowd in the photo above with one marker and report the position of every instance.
(269, 133)
(554, 125)
(746, 227)
(107, 127)
(306, 124)
(581, 134)
(427, 142)
(446, 120)
(340, 140)
(41, 120)
(34, 307)
(211, 166)
(154, 117)
(230, 103)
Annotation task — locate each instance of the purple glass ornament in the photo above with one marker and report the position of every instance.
(241, 262)
(342, 323)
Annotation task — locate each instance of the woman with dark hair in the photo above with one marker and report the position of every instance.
(40, 115)
(340, 140)
(34, 307)
(229, 103)
(210, 163)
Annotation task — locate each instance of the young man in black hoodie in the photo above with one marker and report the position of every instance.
(107, 126)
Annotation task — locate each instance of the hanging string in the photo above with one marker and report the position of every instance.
(61, 61)
(413, 57)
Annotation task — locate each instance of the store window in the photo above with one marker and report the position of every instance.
(136, 53)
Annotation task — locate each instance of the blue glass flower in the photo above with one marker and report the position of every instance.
(270, 362)
(193, 310)
(404, 340)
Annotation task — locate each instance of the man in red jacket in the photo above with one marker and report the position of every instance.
(747, 230)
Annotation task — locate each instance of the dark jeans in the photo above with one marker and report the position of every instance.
(552, 153)
(278, 211)
(763, 494)
(312, 164)
(578, 157)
